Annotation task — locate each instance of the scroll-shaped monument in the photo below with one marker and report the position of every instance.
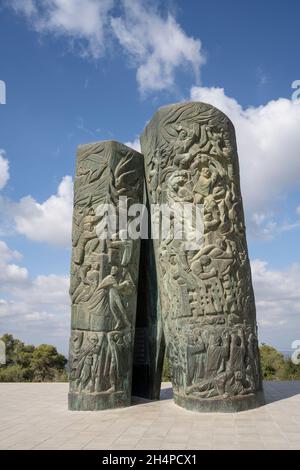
(104, 276)
(206, 292)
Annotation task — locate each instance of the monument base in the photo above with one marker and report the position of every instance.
(97, 401)
(220, 405)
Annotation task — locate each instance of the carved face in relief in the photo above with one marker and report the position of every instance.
(177, 180)
(173, 260)
(115, 336)
(205, 260)
(206, 172)
(93, 339)
(182, 133)
(114, 270)
(196, 268)
(219, 191)
(77, 338)
(238, 376)
(217, 341)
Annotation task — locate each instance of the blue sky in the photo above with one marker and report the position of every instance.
(80, 71)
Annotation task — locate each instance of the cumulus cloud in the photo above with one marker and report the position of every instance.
(277, 295)
(10, 273)
(7, 254)
(268, 140)
(37, 310)
(49, 221)
(4, 169)
(135, 144)
(156, 45)
(83, 21)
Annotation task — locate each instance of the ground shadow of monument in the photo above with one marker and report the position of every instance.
(281, 390)
(274, 391)
(166, 393)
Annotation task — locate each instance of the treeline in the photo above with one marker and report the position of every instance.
(28, 363)
(277, 367)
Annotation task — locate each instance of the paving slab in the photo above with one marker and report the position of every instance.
(35, 416)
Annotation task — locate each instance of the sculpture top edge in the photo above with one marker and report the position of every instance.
(82, 148)
(162, 110)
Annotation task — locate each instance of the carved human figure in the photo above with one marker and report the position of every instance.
(196, 358)
(204, 270)
(81, 367)
(117, 359)
(217, 353)
(90, 279)
(178, 188)
(106, 301)
(253, 360)
(154, 177)
(88, 234)
(185, 139)
(214, 141)
(204, 185)
(237, 352)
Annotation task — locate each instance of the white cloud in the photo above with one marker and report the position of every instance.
(6, 254)
(35, 310)
(156, 45)
(38, 312)
(49, 221)
(135, 144)
(24, 6)
(4, 169)
(277, 294)
(80, 20)
(268, 140)
(10, 273)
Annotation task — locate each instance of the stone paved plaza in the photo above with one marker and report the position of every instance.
(35, 416)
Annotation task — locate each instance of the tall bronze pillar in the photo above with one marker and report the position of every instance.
(104, 276)
(204, 279)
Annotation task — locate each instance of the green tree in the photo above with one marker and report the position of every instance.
(276, 367)
(272, 363)
(27, 363)
(46, 362)
(15, 373)
(291, 370)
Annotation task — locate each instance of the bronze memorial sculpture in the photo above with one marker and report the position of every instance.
(201, 305)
